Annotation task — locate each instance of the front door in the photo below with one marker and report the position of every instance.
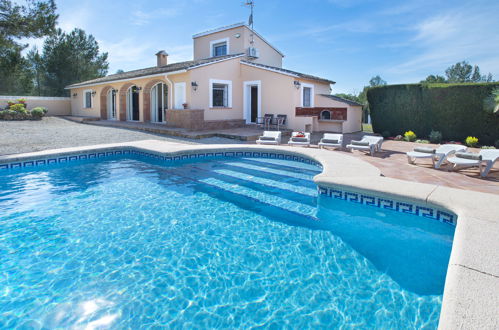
(254, 103)
(252, 96)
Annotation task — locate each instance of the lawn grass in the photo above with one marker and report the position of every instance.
(368, 128)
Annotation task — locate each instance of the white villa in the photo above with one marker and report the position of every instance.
(235, 78)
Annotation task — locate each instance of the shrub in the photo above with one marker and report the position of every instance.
(18, 107)
(487, 147)
(471, 141)
(435, 136)
(40, 109)
(422, 141)
(456, 110)
(496, 144)
(410, 136)
(38, 112)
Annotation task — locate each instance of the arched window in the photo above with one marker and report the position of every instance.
(326, 115)
(159, 102)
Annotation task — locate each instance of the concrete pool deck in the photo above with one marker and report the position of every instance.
(471, 294)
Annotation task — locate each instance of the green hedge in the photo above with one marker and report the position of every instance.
(456, 110)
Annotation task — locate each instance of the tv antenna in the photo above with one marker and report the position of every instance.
(251, 5)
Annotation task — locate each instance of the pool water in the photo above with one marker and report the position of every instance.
(227, 243)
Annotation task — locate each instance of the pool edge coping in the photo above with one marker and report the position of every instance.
(471, 291)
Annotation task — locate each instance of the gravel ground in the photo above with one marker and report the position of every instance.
(52, 133)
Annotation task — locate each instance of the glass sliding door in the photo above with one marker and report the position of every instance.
(111, 104)
(159, 102)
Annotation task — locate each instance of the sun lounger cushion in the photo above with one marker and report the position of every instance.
(425, 150)
(330, 141)
(299, 139)
(267, 138)
(360, 143)
(468, 155)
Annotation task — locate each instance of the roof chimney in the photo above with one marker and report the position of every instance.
(162, 58)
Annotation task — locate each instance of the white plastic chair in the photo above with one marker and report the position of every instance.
(373, 144)
(328, 140)
(270, 137)
(299, 141)
(488, 158)
(440, 154)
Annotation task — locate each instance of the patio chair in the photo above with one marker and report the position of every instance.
(270, 137)
(331, 140)
(300, 139)
(440, 154)
(486, 157)
(281, 121)
(367, 143)
(268, 118)
(260, 122)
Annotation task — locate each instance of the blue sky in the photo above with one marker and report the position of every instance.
(348, 41)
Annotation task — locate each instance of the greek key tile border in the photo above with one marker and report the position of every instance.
(389, 204)
(50, 160)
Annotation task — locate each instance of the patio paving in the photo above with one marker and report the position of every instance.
(392, 162)
(53, 132)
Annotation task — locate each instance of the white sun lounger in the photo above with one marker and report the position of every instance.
(488, 158)
(299, 141)
(331, 140)
(440, 154)
(270, 137)
(373, 144)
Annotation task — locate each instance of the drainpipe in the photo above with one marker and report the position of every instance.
(171, 91)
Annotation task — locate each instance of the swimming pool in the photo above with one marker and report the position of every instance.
(229, 242)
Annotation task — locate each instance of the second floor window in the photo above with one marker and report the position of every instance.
(220, 49)
(307, 96)
(220, 95)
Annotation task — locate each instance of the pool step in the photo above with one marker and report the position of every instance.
(274, 183)
(262, 197)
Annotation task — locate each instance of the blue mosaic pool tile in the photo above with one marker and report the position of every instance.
(389, 204)
(29, 164)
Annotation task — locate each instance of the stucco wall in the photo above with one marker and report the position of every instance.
(56, 106)
(227, 70)
(354, 116)
(268, 55)
(354, 122)
(145, 83)
(236, 45)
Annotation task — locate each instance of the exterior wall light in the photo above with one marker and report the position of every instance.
(297, 84)
(75, 94)
(194, 85)
(93, 93)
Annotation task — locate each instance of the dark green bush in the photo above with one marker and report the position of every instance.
(435, 137)
(456, 110)
(385, 134)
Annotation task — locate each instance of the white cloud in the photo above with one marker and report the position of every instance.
(77, 17)
(128, 54)
(466, 33)
(140, 17)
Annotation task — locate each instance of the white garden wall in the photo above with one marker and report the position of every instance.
(56, 106)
